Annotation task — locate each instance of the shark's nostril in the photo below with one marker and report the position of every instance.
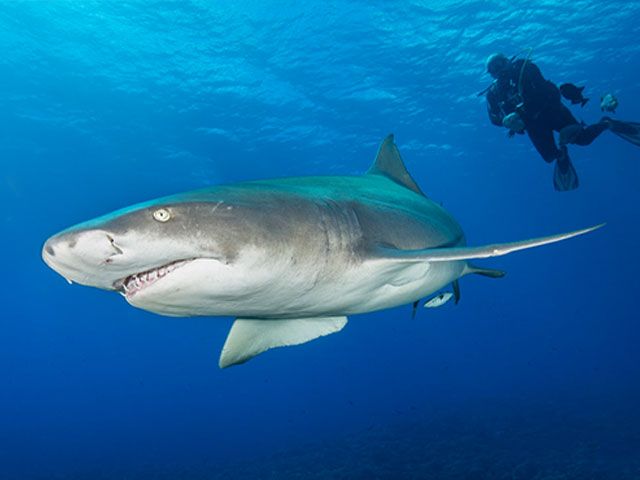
(50, 251)
(113, 244)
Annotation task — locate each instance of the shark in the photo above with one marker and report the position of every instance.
(289, 258)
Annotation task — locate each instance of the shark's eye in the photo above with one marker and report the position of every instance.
(162, 215)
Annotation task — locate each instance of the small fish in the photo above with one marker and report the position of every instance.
(573, 93)
(439, 300)
(609, 103)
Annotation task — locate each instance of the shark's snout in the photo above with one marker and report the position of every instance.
(82, 256)
(92, 246)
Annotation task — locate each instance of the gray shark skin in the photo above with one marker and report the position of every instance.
(289, 258)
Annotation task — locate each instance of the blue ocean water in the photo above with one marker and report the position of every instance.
(105, 104)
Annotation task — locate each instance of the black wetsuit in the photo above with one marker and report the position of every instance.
(539, 104)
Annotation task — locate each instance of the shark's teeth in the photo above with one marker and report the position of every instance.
(139, 281)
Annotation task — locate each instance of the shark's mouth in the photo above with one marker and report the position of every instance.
(137, 282)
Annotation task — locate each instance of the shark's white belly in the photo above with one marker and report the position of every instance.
(385, 289)
(379, 285)
(209, 288)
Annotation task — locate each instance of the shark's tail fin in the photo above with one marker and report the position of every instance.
(485, 272)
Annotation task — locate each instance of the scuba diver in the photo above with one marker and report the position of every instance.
(522, 100)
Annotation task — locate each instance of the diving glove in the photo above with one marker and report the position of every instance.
(513, 122)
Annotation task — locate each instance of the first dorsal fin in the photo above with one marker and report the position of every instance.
(389, 163)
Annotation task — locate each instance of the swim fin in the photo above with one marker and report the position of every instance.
(629, 131)
(565, 177)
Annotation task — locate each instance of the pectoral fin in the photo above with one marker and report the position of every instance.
(249, 337)
(468, 253)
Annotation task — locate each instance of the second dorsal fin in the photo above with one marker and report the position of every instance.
(389, 163)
